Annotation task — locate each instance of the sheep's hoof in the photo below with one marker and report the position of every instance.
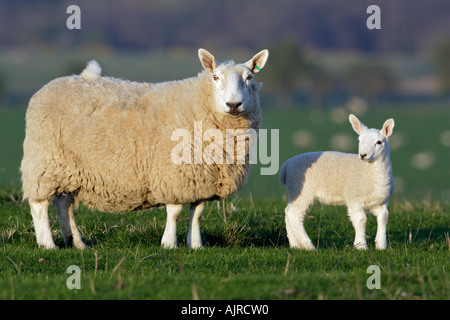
(196, 244)
(79, 245)
(309, 247)
(48, 246)
(71, 242)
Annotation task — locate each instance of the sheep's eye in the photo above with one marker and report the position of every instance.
(250, 76)
(215, 77)
(379, 142)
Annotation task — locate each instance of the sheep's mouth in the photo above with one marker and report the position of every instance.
(234, 113)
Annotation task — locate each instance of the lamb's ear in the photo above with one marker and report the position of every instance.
(388, 127)
(357, 125)
(207, 59)
(258, 61)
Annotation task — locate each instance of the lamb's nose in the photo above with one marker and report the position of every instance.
(363, 155)
(234, 105)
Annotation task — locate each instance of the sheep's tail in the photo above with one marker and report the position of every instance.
(92, 70)
(283, 173)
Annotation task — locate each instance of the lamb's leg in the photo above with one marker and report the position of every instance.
(64, 211)
(194, 239)
(358, 218)
(39, 212)
(382, 214)
(169, 239)
(294, 216)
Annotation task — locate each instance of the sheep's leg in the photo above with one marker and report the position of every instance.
(64, 211)
(194, 239)
(358, 218)
(169, 239)
(39, 212)
(382, 214)
(298, 238)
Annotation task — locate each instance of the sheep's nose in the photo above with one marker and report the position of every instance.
(234, 105)
(363, 155)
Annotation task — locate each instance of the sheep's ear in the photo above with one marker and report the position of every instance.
(357, 125)
(388, 127)
(258, 61)
(207, 59)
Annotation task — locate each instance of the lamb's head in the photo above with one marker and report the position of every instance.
(373, 143)
(233, 86)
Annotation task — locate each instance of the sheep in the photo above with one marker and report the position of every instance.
(107, 143)
(360, 181)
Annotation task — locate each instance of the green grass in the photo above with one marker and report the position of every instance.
(246, 256)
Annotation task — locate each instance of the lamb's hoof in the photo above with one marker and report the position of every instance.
(360, 246)
(166, 245)
(195, 247)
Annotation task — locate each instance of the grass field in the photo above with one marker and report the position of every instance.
(246, 254)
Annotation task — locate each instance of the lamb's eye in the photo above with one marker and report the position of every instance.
(379, 142)
(215, 77)
(250, 76)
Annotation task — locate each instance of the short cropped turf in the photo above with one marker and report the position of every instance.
(245, 256)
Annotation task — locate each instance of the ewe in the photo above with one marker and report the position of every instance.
(359, 181)
(108, 142)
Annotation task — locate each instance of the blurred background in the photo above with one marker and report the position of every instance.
(324, 64)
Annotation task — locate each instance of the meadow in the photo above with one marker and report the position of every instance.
(246, 253)
(246, 256)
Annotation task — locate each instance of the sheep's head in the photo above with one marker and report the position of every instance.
(233, 85)
(372, 142)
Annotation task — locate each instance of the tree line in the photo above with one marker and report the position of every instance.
(406, 25)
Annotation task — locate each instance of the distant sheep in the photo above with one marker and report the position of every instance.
(359, 181)
(107, 143)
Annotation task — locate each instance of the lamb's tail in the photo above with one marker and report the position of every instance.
(92, 70)
(283, 173)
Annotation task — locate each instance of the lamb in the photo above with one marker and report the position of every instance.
(107, 143)
(359, 181)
